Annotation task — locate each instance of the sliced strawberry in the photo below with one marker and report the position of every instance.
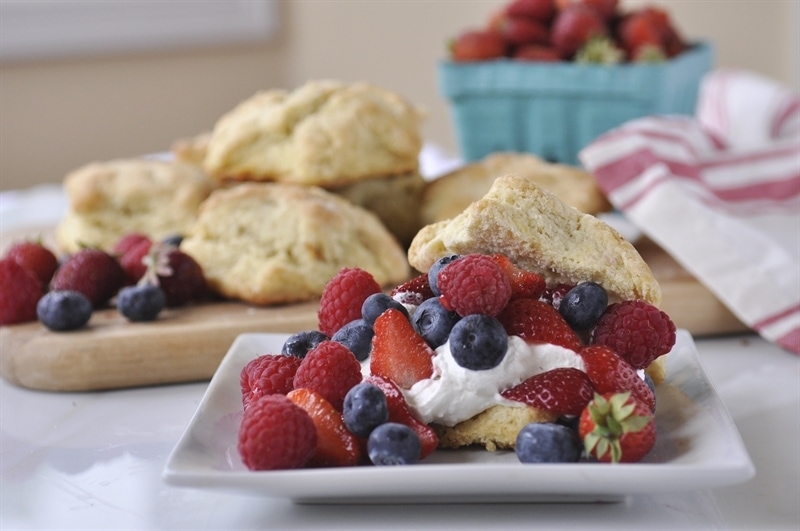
(610, 373)
(398, 352)
(524, 284)
(538, 322)
(400, 412)
(336, 446)
(617, 428)
(563, 391)
(415, 291)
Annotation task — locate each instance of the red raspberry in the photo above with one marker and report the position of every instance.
(267, 375)
(538, 322)
(563, 391)
(331, 370)
(342, 298)
(415, 291)
(636, 330)
(475, 283)
(36, 258)
(92, 272)
(20, 291)
(276, 434)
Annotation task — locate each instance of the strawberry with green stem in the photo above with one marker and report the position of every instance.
(617, 428)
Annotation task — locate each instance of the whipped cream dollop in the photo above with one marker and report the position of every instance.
(453, 393)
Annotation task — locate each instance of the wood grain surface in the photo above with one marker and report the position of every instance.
(187, 344)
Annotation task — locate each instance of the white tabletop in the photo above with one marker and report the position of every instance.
(94, 460)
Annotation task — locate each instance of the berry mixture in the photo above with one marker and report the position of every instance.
(355, 377)
(140, 277)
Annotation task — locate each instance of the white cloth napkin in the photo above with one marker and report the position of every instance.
(720, 192)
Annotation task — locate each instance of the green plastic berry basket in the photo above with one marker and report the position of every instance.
(555, 109)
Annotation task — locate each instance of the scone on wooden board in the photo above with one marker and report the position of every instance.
(274, 243)
(540, 233)
(325, 133)
(106, 200)
(447, 196)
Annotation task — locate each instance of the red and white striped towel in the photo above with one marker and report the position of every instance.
(721, 193)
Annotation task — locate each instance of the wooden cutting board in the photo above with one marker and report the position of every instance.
(187, 344)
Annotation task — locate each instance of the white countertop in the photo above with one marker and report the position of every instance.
(94, 460)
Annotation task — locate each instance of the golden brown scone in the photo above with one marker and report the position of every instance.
(324, 133)
(273, 243)
(538, 232)
(191, 150)
(496, 428)
(447, 196)
(395, 200)
(107, 200)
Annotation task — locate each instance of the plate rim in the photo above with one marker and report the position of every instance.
(288, 484)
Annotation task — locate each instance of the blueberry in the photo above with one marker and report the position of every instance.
(583, 305)
(301, 343)
(436, 268)
(174, 239)
(376, 304)
(357, 337)
(478, 342)
(548, 443)
(141, 303)
(63, 310)
(365, 408)
(433, 322)
(392, 443)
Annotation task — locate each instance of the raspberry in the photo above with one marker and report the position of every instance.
(267, 375)
(92, 272)
(276, 434)
(330, 370)
(343, 297)
(475, 283)
(36, 258)
(636, 330)
(20, 291)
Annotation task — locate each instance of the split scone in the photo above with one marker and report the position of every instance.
(540, 233)
(274, 243)
(447, 196)
(324, 133)
(106, 200)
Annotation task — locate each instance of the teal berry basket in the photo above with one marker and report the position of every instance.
(554, 110)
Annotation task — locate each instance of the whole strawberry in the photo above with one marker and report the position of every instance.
(343, 297)
(20, 291)
(617, 428)
(636, 330)
(610, 373)
(92, 272)
(35, 257)
(574, 26)
(132, 259)
(276, 433)
(184, 281)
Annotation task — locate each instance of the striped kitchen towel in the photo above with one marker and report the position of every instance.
(720, 192)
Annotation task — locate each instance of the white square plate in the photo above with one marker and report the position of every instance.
(698, 447)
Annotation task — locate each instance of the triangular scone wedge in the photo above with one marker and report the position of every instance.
(540, 233)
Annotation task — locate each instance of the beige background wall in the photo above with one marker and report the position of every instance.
(58, 115)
